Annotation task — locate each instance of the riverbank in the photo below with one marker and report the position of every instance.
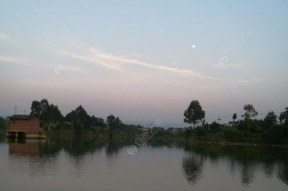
(104, 135)
(227, 143)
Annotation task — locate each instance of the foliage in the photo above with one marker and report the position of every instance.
(194, 113)
(113, 122)
(47, 112)
(247, 129)
(234, 117)
(270, 121)
(3, 126)
(97, 122)
(79, 118)
(36, 108)
(215, 127)
(231, 134)
(3, 123)
(284, 117)
(250, 112)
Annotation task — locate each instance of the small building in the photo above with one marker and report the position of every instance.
(25, 126)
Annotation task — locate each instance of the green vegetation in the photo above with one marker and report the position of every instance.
(80, 125)
(3, 127)
(194, 113)
(246, 130)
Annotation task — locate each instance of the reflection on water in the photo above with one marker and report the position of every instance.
(192, 166)
(248, 162)
(77, 164)
(29, 148)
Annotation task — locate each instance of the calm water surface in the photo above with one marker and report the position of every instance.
(89, 165)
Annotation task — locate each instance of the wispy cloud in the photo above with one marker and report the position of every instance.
(6, 38)
(226, 65)
(118, 63)
(15, 60)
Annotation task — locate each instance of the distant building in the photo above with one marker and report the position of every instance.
(25, 126)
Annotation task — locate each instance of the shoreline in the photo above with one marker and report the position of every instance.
(229, 143)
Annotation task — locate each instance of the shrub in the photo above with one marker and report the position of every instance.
(231, 134)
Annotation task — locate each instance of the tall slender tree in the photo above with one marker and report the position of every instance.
(234, 117)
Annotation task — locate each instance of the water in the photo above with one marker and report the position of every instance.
(89, 165)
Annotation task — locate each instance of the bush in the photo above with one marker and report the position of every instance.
(231, 134)
(4, 123)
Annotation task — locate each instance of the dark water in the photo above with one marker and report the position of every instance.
(90, 165)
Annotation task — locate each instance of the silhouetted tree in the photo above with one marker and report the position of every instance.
(270, 120)
(48, 113)
(44, 105)
(234, 117)
(250, 112)
(36, 108)
(194, 113)
(97, 121)
(284, 117)
(79, 118)
(215, 127)
(113, 122)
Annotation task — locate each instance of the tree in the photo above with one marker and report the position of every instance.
(36, 108)
(44, 104)
(271, 133)
(52, 114)
(250, 112)
(3, 123)
(215, 127)
(47, 112)
(39, 107)
(234, 117)
(270, 120)
(79, 118)
(284, 117)
(113, 124)
(194, 113)
(113, 121)
(97, 121)
(248, 123)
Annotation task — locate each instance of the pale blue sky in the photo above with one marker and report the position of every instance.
(145, 60)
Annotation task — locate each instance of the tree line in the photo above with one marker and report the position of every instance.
(79, 122)
(50, 115)
(271, 129)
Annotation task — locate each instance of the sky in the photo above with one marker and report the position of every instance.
(144, 61)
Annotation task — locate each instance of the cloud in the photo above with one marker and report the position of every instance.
(6, 38)
(118, 63)
(228, 65)
(15, 60)
(60, 68)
